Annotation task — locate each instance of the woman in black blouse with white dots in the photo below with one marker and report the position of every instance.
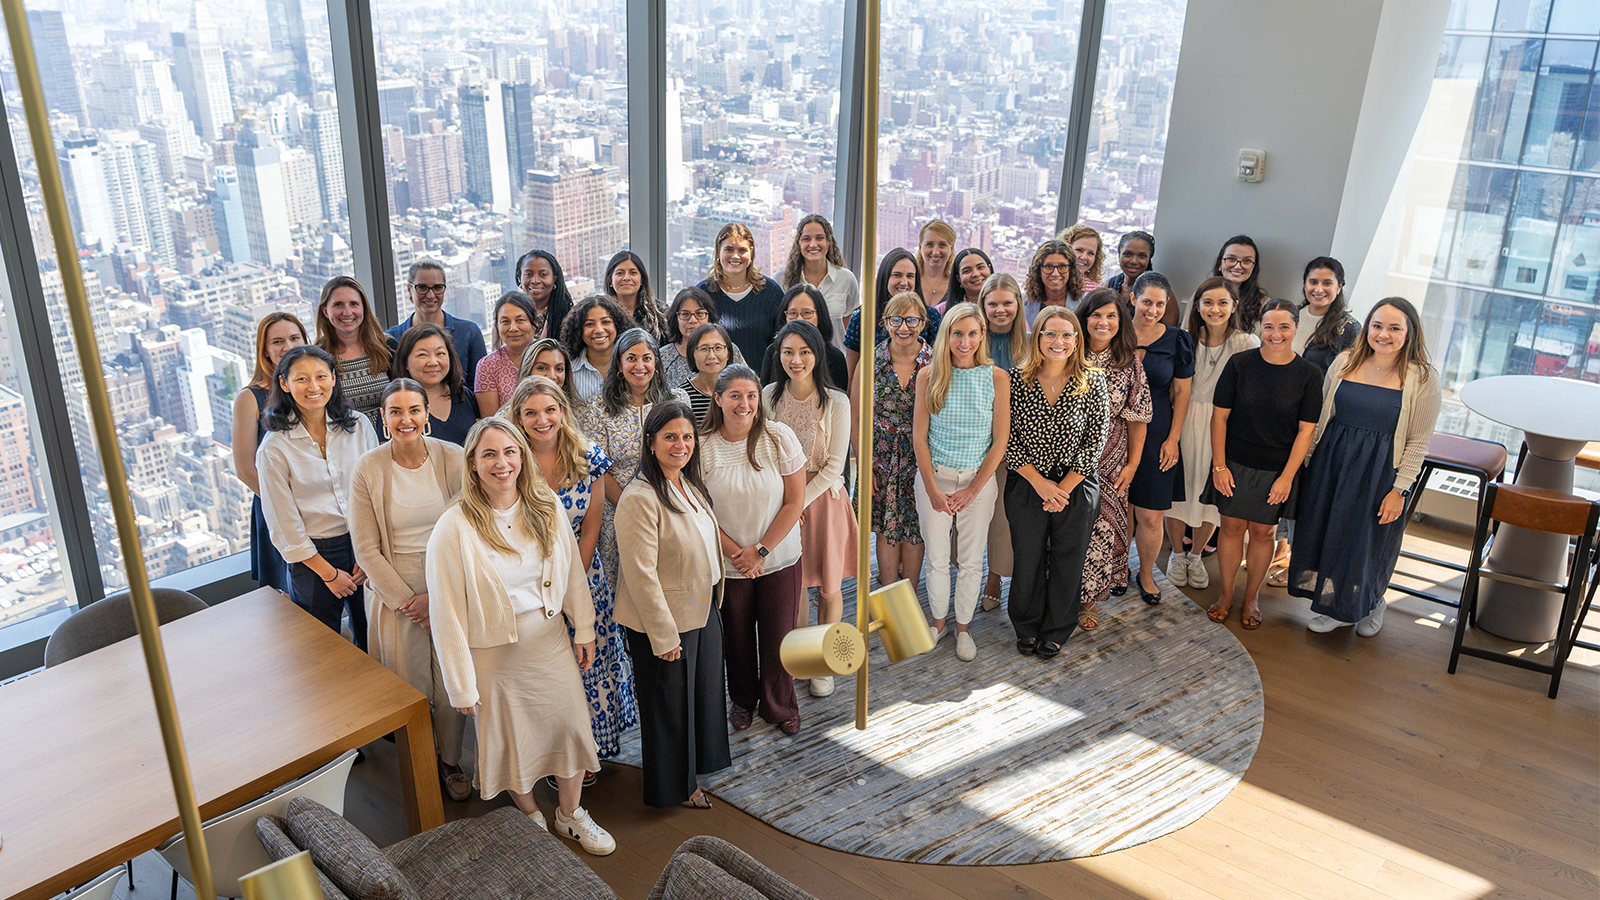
(1059, 415)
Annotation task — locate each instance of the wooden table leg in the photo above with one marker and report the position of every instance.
(419, 771)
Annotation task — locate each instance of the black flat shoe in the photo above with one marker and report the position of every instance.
(1048, 650)
(1149, 598)
(1026, 646)
(1119, 591)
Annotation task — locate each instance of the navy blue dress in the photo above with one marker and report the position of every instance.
(266, 563)
(1166, 358)
(463, 413)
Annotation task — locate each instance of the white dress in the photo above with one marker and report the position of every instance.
(1195, 442)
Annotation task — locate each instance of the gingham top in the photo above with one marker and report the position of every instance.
(960, 434)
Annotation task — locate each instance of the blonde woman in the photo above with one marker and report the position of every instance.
(276, 334)
(348, 329)
(502, 567)
(815, 260)
(960, 423)
(1088, 251)
(936, 247)
(1001, 302)
(747, 299)
(577, 470)
(398, 492)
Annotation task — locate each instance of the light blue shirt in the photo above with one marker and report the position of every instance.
(586, 379)
(960, 434)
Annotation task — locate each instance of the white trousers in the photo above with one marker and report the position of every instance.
(972, 535)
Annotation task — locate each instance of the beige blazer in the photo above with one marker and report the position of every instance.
(369, 512)
(665, 585)
(1420, 399)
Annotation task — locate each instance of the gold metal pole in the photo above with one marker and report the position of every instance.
(144, 607)
(869, 340)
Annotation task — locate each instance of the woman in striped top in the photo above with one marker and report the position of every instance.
(348, 330)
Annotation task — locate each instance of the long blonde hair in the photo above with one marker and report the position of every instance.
(572, 448)
(942, 229)
(941, 369)
(1078, 367)
(728, 232)
(1021, 347)
(541, 513)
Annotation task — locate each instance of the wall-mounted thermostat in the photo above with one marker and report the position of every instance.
(1252, 165)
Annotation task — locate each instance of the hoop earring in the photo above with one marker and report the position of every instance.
(386, 434)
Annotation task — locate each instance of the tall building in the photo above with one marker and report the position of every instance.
(161, 353)
(89, 200)
(396, 96)
(322, 139)
(203, 74)
(302, 194)
(434, 169)
(572, 212)
(60, 76)
(521, 141)
(286, 30)
(266, 207)
(483, 138)
(132, 85)
(227, 215)
(17, 490)
(138, 195)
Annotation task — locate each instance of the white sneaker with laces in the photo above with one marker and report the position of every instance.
(1324, 624)
(966, 648)
(581, 828)
(1178, 570)
(821, 687)
(1199, 578)
(1373, 622)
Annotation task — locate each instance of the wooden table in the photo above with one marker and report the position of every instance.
(265, 694)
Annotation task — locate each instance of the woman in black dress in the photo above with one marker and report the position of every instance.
(1167, 353)
(275, 334)
(428, 357)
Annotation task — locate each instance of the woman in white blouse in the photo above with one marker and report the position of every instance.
(305, 463)
(755, 470)
(815, 259)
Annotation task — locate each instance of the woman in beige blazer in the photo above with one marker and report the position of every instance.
(668, 600)
(397, 493)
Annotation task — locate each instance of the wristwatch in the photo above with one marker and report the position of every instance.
(762, 551)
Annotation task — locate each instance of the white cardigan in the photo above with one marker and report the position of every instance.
(835, 435)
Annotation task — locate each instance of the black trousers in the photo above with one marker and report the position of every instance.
(683, 712)
(1049, 550)
(311, 594)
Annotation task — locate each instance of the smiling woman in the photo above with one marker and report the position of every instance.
(348, 329)
(428, 356)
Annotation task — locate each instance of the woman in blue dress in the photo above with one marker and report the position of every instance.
(578, 471)
(1167, 353)
(1380, 401)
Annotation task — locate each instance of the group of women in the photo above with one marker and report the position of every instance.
(1047, 426)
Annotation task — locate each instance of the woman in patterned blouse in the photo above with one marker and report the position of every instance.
(1059, 412)
(894, 376)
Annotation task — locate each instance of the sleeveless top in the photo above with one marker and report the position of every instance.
(260, 393)
(960, 434)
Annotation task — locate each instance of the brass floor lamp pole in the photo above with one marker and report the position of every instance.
(144, 608)
(869, 339)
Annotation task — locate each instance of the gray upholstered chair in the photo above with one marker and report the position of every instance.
(705, 866)
(110, 620)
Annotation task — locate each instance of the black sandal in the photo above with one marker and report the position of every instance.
(1048, 650)
(1026, 646)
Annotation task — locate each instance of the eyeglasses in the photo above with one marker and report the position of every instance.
(908, 321)
(712, 349)
(810, 315)
(1055, 267)
(697, 316)
(1238, 262)
(1057, 335)
(429, 289)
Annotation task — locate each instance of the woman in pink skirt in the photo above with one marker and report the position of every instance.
(802, 397)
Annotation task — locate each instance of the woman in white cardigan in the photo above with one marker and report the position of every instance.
(1380, 401)
(802, 397)
(397, 493)
(503, 567)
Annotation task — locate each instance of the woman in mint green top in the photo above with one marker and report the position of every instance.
(959, 428)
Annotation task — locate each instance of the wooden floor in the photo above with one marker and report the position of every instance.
(1378, 776)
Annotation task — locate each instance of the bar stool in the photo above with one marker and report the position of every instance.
(1480, 460)
(1539, 510)
(1589, 458)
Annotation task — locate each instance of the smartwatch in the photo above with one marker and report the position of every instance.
(762, 551)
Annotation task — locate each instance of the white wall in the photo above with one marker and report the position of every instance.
(1301, 80)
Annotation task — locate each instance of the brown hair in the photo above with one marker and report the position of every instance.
(797, 263)
(1035, 284)
(1077, 233)
(264, 372)
(728, 232)
(373, 341)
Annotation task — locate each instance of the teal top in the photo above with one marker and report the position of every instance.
(960, 435)
(1000, 350)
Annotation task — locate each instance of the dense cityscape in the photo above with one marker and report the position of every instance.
(200, 148)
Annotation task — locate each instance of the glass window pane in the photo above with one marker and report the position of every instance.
(1575, 17)
(1471, 15)
(1560, 345)
(1558, 103)
(1522, 15)
(1429, 219)
(1532, 232)
(1587, 157)
(1575, 271)
(1447, 118)
(1504, 99)
(1483, 198)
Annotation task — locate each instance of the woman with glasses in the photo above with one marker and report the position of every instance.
(541, 280)
(936, 241)
(349, 331)
(428, 357)
(1240, 262)
(1088, 251)
(1001, 304)
(709, 347)
(746, 298)
(516, 326)
(276, 334)
(894, 454)
(1053, 279)
(548, 357)
(804, 303)
(690, 309)
(627, 282)
(1060, 413)
(897, 274)
(970, 269)
(425, 288)
(589, 335)
(814, 259)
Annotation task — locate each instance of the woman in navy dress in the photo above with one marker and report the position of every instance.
(428, 357)
(1168, 356)
(275, 334)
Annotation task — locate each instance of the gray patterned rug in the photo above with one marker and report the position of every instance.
(1134, 731)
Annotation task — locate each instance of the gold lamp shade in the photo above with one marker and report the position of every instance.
(897, 616)
(823, 651)
(291, 878)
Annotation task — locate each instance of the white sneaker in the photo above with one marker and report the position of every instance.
(591, 837)
(1325, 624)
(966, 648)
(1199, 578)
(937, 632)
(821, 687)
(1373, 622)
(537, 818)
(1178, 570)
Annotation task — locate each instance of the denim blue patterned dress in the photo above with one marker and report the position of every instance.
(609, 682)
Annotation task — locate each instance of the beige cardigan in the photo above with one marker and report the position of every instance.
(468, 607)
(835, 436)
(1420, 399)
(664, 588)
(369, 512)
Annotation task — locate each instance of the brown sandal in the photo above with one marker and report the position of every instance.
(1219, 613)
(1089, 616)
(1250, 620)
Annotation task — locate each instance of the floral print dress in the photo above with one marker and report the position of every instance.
(608, 685)
(894, 458)
(1107, 563)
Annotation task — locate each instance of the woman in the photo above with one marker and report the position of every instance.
(548, 357)
(1240, 262)
(399, 490)
(314, 440)
(427, 356)
(1088, 251)
(815, 259)
(542, 282)
(1001, 304)
(755, 472)
(502, 567)
(667, 604)
(747, 299)
(971, 269)
(1059, 419)
(690, 309)
(801, 396)
(804, 303)
(708, 350)
(894, 455)
(1264, 413)
(1108, 328)
(589, 334)
(1053, 278)
(1380, 402)
(935, 242)
(960, 423)
(1136, 251)
(1167, 355)
(627, 282)
(348, 330)
(516, 326)
(276, 334)
(576, 470)
(1214, 329)
(897, 274)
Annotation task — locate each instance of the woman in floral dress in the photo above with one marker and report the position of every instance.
(575, 468)
(1108, 328)
(894, 500)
